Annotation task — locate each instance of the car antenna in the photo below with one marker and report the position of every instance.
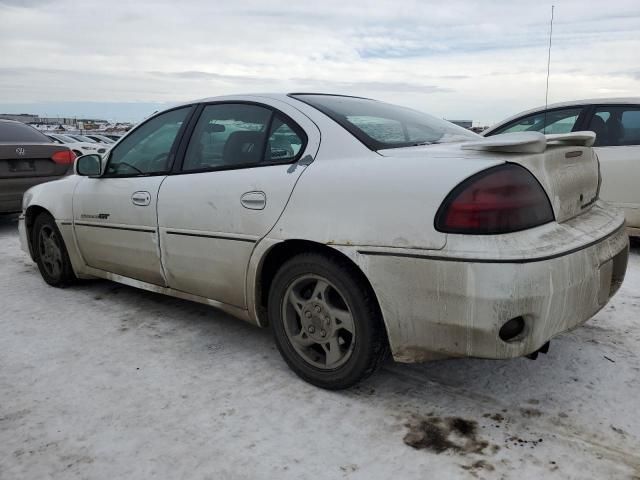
(546, 94)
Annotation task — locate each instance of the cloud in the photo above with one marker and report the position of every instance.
(481, 60)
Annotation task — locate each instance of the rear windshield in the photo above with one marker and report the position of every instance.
(382, 125)
(16, 132)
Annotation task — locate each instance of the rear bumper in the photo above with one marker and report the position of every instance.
(436, 308)
(12, 190)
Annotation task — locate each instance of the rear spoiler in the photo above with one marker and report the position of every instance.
(529, 142)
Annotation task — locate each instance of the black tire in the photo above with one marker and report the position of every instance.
(370, 344)
(55, 269)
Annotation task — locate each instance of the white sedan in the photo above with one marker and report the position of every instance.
(352, 227)
(78, 147)
(616, 123)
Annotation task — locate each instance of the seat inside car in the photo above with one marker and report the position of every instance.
(598, 127)
(615, 129)
(243, 147)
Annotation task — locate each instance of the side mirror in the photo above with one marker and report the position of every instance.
(89, 165)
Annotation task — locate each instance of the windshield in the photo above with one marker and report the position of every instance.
(382, 125)
(82, 138)
(64, 138)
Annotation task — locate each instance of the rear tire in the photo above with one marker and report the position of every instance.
(326, 321)
(51, 253)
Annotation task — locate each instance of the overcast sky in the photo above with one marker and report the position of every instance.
(480, 60)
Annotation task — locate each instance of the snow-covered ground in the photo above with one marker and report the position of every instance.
(103, 381)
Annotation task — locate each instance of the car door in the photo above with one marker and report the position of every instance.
(617, 145)
(115, 218)
(238, 170)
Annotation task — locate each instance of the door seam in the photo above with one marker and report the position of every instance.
(159, 243)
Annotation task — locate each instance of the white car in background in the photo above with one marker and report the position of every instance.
(350, 226)
(616, 123)
(86, 139)
(101, 139)
(78, 147)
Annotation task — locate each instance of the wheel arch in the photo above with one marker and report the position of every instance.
(280, 252)
(30, 215)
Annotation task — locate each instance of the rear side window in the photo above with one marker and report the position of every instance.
(616, 126)
(16, 132)
(555, 121)
(284, 143)
(232, 135)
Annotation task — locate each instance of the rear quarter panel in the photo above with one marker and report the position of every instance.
(370, 200)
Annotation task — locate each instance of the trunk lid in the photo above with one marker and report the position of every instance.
(24, 160)
(565, 165)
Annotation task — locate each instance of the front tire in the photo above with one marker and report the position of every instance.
(50, 252)
(326, 321)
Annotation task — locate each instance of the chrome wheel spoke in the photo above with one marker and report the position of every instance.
(296, 301)
(55, 268)
(50, 252)
(320, 290)
(302, 339)
(332, 351)
(343, 319)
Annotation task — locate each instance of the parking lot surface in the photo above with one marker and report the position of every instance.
(104, 381)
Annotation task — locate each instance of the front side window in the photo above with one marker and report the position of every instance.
(232, 135)
(381, 125)
(555, 121)
(616, 126)
(147, 149)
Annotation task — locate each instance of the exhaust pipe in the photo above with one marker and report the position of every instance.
(543, 349)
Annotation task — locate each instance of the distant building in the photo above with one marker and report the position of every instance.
(19, 117)
(44, 123)
(462, 123)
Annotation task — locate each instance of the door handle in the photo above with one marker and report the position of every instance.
(254, 200)
(141, 198)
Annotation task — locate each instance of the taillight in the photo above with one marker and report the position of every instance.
(502, 199)
(64, 157)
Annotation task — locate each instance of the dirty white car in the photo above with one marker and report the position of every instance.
(616, 123)
(351, 226)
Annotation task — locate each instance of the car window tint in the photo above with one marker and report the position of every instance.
(228, 135)
(555, 121)
(17, 132)
(616, 126)
(381, 129)
(146, 150)
(381, 125)
(284, 143)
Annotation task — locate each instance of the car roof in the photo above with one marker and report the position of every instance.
(570, 103)
(286, 97)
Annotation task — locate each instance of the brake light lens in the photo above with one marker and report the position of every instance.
(502, 199)
(63, 157)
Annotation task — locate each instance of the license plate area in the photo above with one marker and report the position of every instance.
(22, 166)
